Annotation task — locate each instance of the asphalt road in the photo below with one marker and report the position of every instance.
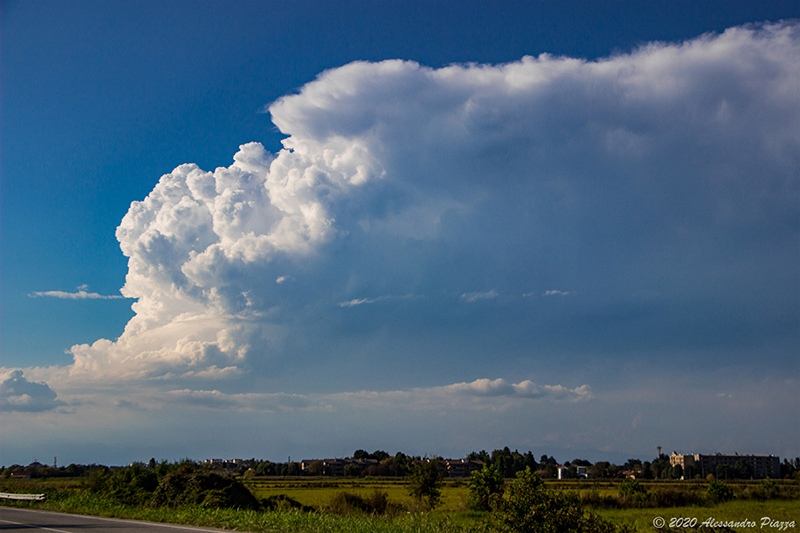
(31, 521)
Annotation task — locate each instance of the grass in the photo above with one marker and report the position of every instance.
(283, 521)
(641, 520)
(70, 496)
(317, 492)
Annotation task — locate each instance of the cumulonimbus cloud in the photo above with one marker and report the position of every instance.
(466, 162)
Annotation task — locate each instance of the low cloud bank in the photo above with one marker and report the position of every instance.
(524, 389)
(430, 397)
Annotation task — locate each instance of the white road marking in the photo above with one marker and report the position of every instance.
(37, 527)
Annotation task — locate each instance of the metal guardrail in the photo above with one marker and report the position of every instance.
(29, 497)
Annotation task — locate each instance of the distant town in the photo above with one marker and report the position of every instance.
(381, 464)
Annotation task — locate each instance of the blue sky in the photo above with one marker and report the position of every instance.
(433, 227)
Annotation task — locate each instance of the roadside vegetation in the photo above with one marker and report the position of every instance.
(421, 500)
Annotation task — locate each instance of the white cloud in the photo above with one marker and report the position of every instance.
(355, 302)
(471, 297)
(396, 178)
(81, 294)
(360, 301)
(426, 398)
(558, 293)
(524, 389)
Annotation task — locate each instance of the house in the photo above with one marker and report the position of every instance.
(460, 467)
(337, 467)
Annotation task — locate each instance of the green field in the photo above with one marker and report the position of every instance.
(451, 516)
(317, 492)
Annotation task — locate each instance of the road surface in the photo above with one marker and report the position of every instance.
(14, 520)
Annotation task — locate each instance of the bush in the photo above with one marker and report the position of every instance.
(527, 506)
(346, 503)
(633, 494)
(719, 492)
(767, 489)
(630, 487)
(202, 488)
(282, 502)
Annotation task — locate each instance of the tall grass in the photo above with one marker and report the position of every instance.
(641, 520)
(752, 501)
(280, 520)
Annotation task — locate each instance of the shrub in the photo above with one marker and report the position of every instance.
(768, 489)
(719, 492)
(281, 502)
(346, 503)
(202, 488)
(629, 487)
(527, 506)
(633, 494)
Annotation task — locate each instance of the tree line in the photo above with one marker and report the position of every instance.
(381, 464)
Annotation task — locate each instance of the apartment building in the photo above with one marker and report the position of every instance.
(761, 466)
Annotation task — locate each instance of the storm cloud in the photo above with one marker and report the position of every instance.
(661, 181)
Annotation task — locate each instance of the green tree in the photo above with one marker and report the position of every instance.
(742, 470)
(425, 483)
(401, 464)
(316, 468)
(131, 485)
(485, 486)
(380, 455)
(352, 470)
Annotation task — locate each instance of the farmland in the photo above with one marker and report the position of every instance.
(315, 494)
